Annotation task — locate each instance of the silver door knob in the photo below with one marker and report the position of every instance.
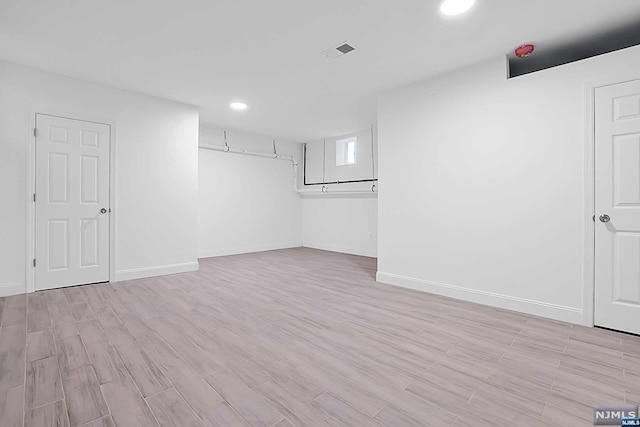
(103, 211)
(605, 218)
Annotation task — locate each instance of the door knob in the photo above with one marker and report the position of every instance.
(104, 211)
(605, 218)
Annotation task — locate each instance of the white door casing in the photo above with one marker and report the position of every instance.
(617, 206)
(72, 202)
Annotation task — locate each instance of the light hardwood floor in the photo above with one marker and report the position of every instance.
(296, 337)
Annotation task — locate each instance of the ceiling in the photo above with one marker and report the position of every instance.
(268, 53)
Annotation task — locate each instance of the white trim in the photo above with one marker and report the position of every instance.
(33, 111)
(29, 273)
(162, 270)
(8, 289)
(588, 270)
(523, 305)
(113, 207)
(341, 249)
(247, 250)
(589, 262)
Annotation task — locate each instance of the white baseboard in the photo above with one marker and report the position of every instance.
(341, 249)
(246, 250)
(8, 289)
(522, 305)
(141, 273)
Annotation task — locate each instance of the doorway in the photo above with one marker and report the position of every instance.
(617, 206)
(72, 202)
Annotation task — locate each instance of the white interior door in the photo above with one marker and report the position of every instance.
(617, 203)
(72, 202)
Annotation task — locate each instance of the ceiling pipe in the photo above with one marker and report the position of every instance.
(328, 192)
(227, 149)
(325, 191)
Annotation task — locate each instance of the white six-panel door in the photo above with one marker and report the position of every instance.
(72, 202)
(617, 203)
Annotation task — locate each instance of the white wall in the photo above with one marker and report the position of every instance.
(341, 223)
(335, 222)
(482, 191)
(246, 204)
(155, 210)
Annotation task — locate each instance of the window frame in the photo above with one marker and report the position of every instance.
(342, 151)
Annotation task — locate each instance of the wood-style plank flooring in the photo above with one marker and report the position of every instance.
(296, 337)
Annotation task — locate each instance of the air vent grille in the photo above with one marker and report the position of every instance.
(338, 51)
(345, 48)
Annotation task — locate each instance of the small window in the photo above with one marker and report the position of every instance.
(346, 151)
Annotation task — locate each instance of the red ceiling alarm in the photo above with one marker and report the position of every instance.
(524, 50)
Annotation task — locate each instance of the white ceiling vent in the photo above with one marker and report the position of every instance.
(338, 51)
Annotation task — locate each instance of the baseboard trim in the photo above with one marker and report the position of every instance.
(163, 270)
(341, 249)
(247, 250)
(522, 305)
(8, 289)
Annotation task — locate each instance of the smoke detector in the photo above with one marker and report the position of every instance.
(338, 51)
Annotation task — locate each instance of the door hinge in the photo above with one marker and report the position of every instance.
(34, 197)
(594, 218)
(35, 132)
(34, 262)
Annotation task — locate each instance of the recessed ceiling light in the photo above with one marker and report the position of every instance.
(238, 105)
(455, 7)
